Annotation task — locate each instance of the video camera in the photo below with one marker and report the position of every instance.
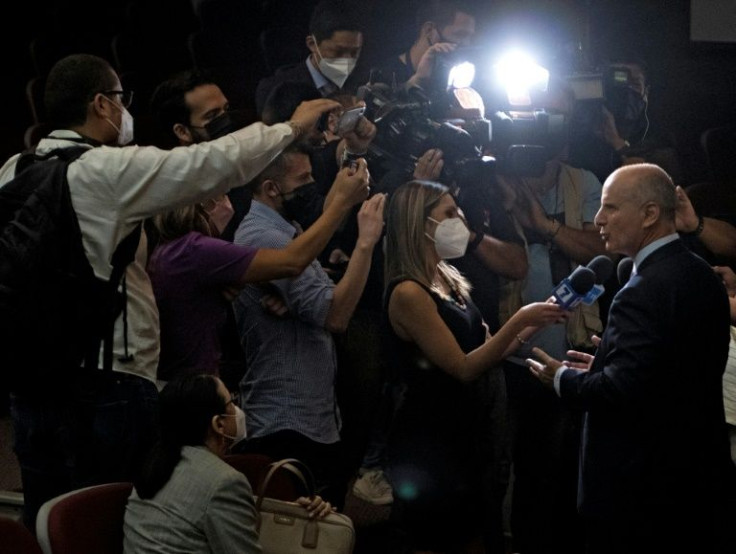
(516, 140)
(612, 88)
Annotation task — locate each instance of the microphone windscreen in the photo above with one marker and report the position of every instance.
(582, 280)
(602, 266)
(623, 271)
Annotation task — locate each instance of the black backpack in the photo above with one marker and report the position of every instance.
(54, 312)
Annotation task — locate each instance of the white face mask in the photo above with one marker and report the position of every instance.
(125, 131)
(336, 70)
(240, 430)
(450, 238)
(221, 213)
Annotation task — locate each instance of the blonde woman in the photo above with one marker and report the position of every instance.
(440, 344)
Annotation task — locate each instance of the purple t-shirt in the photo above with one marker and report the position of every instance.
(188, 276)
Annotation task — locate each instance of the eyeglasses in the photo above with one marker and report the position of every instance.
(126, 96)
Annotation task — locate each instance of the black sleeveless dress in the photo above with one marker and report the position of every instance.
(433, 461)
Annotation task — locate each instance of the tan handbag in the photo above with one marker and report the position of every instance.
(285, 527)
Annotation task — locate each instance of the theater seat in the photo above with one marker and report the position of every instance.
(35, 133)
(15, 538)
(718, 144)
(88, 520)
(255, 467)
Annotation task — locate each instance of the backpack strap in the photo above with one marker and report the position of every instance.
(29, 156)
(121, 258)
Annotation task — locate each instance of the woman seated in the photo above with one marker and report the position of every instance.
(186, 498)
(440, 344)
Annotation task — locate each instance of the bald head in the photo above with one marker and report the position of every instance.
(637, 207)
(648, 183)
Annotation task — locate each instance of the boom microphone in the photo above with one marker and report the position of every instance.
(624, 269)
(602, 266)
(572, 290)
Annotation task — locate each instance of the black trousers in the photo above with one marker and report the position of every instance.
(324, 460)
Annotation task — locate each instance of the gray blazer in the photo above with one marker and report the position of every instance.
(207, 506)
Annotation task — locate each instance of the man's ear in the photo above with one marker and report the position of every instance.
(100, 105)
(268, 187)
(652, 213)
(311, 44)
(217, 424)
(183, 133)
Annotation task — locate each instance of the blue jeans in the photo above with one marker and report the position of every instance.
(96, 431)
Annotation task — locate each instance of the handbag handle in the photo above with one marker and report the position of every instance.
(304, 475)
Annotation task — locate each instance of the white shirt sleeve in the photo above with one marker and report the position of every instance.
(558, 375)
(114, 188)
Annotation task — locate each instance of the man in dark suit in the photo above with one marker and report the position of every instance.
(655, 463)
(335, 40)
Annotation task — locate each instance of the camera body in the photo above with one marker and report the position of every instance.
(410, 121)
(610, 88)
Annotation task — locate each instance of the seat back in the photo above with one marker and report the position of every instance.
(34, 133)
(34, 96)
(255, 467)
(15, 538)
(718, 144)
(84, 520)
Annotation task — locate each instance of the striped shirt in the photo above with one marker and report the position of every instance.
(291, 361)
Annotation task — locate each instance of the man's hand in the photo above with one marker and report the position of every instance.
(358, 140)
(230, 293)
(582, 360)
(370, 221)
(608, 131)
(426, 64)
(307, 114)
(274, 304)
(529, 211)
(729, 278)
(544, 369)
(352, 184)
(686, 220)
(336, 262)
(429, 165)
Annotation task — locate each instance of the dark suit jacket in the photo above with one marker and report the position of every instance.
(298, 73)
(654, 439)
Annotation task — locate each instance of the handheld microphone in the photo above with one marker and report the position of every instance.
(602, 266)
(572, 290)
(624, 269)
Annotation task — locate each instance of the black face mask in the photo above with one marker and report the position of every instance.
(224, 124)
(302, 204)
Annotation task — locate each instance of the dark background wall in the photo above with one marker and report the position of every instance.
(693, 84)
